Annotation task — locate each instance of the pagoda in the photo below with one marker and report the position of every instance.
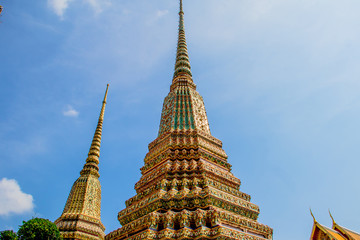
(187, 190)
(81, 216)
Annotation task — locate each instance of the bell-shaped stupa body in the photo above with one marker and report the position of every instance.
(187, 190)
(81, 216)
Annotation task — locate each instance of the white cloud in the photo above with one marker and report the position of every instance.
(70, 112)
(95, 5)
(12, 199)
(156, 16)
(59, 6)
(161, 13)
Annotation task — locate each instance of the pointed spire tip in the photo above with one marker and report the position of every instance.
(182, 64)
(312, 215)
(332, 217)
(92, 161)
(106, 91)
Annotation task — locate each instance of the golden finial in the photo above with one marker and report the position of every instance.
(332, 218)
(312, 215)
(92, 161)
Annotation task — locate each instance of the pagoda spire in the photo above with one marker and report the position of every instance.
(92, 161)
(182, 64)
(81, 218)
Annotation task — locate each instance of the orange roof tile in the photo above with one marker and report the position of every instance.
(334, 234)
(354, 235)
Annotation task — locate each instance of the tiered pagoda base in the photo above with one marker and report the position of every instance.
(188, 192)
(212, 223)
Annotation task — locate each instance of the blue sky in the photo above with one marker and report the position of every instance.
(280, 81)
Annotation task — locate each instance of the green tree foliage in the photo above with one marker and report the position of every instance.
(38, 228)
(8, 235)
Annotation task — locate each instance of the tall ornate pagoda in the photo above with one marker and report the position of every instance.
(81, 216)
(187, 190)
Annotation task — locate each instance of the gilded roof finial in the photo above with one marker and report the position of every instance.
(332, 218)
(182, 65)
(312, 215)
(92, 161)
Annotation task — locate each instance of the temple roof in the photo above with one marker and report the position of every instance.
(337, 232)
(353, 234)
(333, 233)
(347, 232)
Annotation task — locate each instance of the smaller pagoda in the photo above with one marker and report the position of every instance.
(81, 216)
